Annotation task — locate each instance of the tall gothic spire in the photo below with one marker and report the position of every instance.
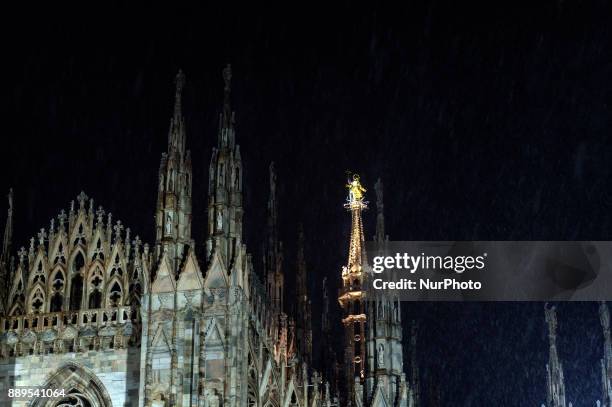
(180, 83)
(356, 205)
(554, 368)
(606, 362)
(227, 90)
(8, 230)
(384, 327)
(176, 133)
(274, 255)
(226, 118)
(173, 212)
(5, 255)
(225, 186)
(351, 297)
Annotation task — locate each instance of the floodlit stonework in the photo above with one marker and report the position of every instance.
(90, 309)
(373, 353)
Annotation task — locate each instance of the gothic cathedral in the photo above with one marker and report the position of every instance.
(91, 310)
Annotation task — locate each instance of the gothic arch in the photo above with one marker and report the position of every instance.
(38, 271)
(36, 299)
(79, 233)
(58, 254)
(17, 295)
(81, 386)
(116, 262)
(76, 258)
(95, 286)
(96, 247)
(56, 288)
(135, 288)
(114, 293)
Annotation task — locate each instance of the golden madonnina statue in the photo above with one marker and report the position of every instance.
(356, 190)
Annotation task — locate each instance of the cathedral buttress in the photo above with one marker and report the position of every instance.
(173, 214)
(225, 186)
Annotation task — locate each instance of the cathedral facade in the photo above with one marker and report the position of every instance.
(100, 318)
(90, 310)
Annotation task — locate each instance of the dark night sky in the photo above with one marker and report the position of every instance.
(486, 121)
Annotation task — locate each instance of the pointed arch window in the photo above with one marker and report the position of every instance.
(76, 292)
(95, 286)
(115, 295)
(78, 262)
(39, 274)
(135, 289)
(56, 291)
(59, 258)
(74, 399)
(98, 251)
(82, 388)
(37, 301)
(80, 237)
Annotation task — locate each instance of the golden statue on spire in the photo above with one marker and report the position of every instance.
(356, 190)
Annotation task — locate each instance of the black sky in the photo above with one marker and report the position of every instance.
(486, 121)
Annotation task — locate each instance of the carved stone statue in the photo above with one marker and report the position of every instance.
(381, 355)
(169, 223)
(219, 220)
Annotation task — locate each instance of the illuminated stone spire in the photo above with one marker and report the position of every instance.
(8, 230)
(554, 368)
(226, 125)
(606, 362)
(355, 204)
(225, 186)
(352, 297)
(173, 213)
(176, 134)
(5, 261)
